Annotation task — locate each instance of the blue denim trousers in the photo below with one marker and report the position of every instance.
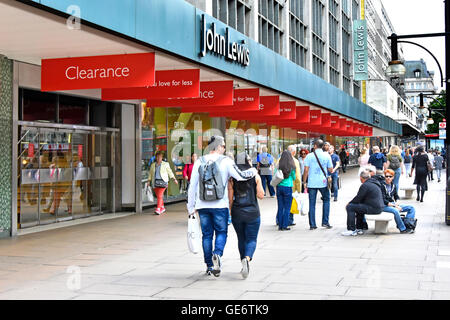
(335, 185)
(213, 221)
(312, 192)
(410, 215)
(266, 179)
(284, 199)
(247, 234)
(397, 175)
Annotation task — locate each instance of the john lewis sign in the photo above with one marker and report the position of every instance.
(221, 44)
(360, 69)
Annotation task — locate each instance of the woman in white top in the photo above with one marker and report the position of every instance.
(363, 159)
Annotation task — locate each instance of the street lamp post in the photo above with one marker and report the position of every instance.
(396, 69)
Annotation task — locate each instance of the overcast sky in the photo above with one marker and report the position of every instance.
(418, 16)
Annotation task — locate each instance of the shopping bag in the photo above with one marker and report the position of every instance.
(194, 234)
(304, 203)
(277, 178)
(294, 207)
(149, 193)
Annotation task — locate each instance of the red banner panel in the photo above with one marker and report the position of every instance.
(31, 150)
(183, 83)
(288, 112)
(95, 72)
(268, 106)
(244, 100)
(326, 120)
(212, 93)
(315, 117)
(302, 117)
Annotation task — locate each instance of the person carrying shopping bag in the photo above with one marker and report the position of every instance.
(160, 173)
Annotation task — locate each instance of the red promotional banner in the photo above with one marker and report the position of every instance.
(302, 118)
(31, 150)
(111, 71)
(287, 113)
(212, 93)
(315, 118)
(268, 106)
(80, 152)
(183, 83)
(243, 100)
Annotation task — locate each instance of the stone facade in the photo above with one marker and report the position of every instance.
(6, 105)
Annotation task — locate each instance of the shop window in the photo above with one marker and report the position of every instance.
(37, 106)
(72, 110)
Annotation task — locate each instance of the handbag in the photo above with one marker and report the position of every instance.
(277, 178)
(429, 166)
(329, 179)
(160, 183)
(194, 234)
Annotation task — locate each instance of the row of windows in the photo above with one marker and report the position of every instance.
(418, 85)
(269, 23)
(234, 13)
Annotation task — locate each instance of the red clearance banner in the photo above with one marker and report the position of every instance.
(183, 83)
(212, 93)
(268, 106)
(288, 112)
(95, 72)
(244, 100)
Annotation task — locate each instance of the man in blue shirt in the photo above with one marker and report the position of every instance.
(377, 159)
(265, 167)
(317, 181)
(335, 173)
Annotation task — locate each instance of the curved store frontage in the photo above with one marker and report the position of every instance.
(84, 110)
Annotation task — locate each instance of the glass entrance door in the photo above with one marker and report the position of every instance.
(63, 174)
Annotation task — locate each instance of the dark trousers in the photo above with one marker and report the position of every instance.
(355, 215)
(266, 179)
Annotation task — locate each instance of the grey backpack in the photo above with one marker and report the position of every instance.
(394, 163)
(210, 180)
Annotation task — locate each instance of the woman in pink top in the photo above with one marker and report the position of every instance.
(363, 159)
(187, 171)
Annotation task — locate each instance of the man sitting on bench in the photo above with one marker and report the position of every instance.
(390, 196)
(369, 200)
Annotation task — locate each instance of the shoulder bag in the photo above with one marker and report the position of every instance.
(329, 179)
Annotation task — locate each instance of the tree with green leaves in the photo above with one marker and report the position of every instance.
(439, 105)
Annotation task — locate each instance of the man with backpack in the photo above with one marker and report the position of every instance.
(265, 167)
(208, 195)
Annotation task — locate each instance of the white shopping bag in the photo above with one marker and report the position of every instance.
(303, 199)
(147, 194)
(194, 234)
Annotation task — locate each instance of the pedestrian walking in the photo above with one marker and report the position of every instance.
(431, 159)
(335, 172)
(301, 161)
(284, 190)
(344, 159)
(390, 198)
(315, 165)
(187, 170)
(265, 168)
(420, 163)
(208, 195)
(377, 159)
(160, 173)
(245, 213)
(368, 200)
(363, 159)
(408, 161)
(298, 180)
(395, 163)
(438, 161)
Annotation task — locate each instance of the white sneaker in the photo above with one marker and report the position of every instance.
(349, 233)
(217, 265)
(245, 268)
(359, 231)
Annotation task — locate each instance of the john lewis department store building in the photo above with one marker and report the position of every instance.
(72, 149)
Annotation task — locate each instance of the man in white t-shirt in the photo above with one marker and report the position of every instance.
(214, 213)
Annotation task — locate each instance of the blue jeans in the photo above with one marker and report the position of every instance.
(335, 185)
(213, 221)
(247, 233)
(267, 179)
(284, 199)
(312, 192)
(410, 215)
(397, 175)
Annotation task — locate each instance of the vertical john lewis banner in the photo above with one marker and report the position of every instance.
(360, 70)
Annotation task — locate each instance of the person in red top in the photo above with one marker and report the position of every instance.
(187, 171)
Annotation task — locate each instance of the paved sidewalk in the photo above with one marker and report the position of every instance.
(146, 257)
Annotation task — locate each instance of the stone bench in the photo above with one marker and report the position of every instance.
(408, 192)
(381, 221)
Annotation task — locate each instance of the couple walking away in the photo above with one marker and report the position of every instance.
(218, 183)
